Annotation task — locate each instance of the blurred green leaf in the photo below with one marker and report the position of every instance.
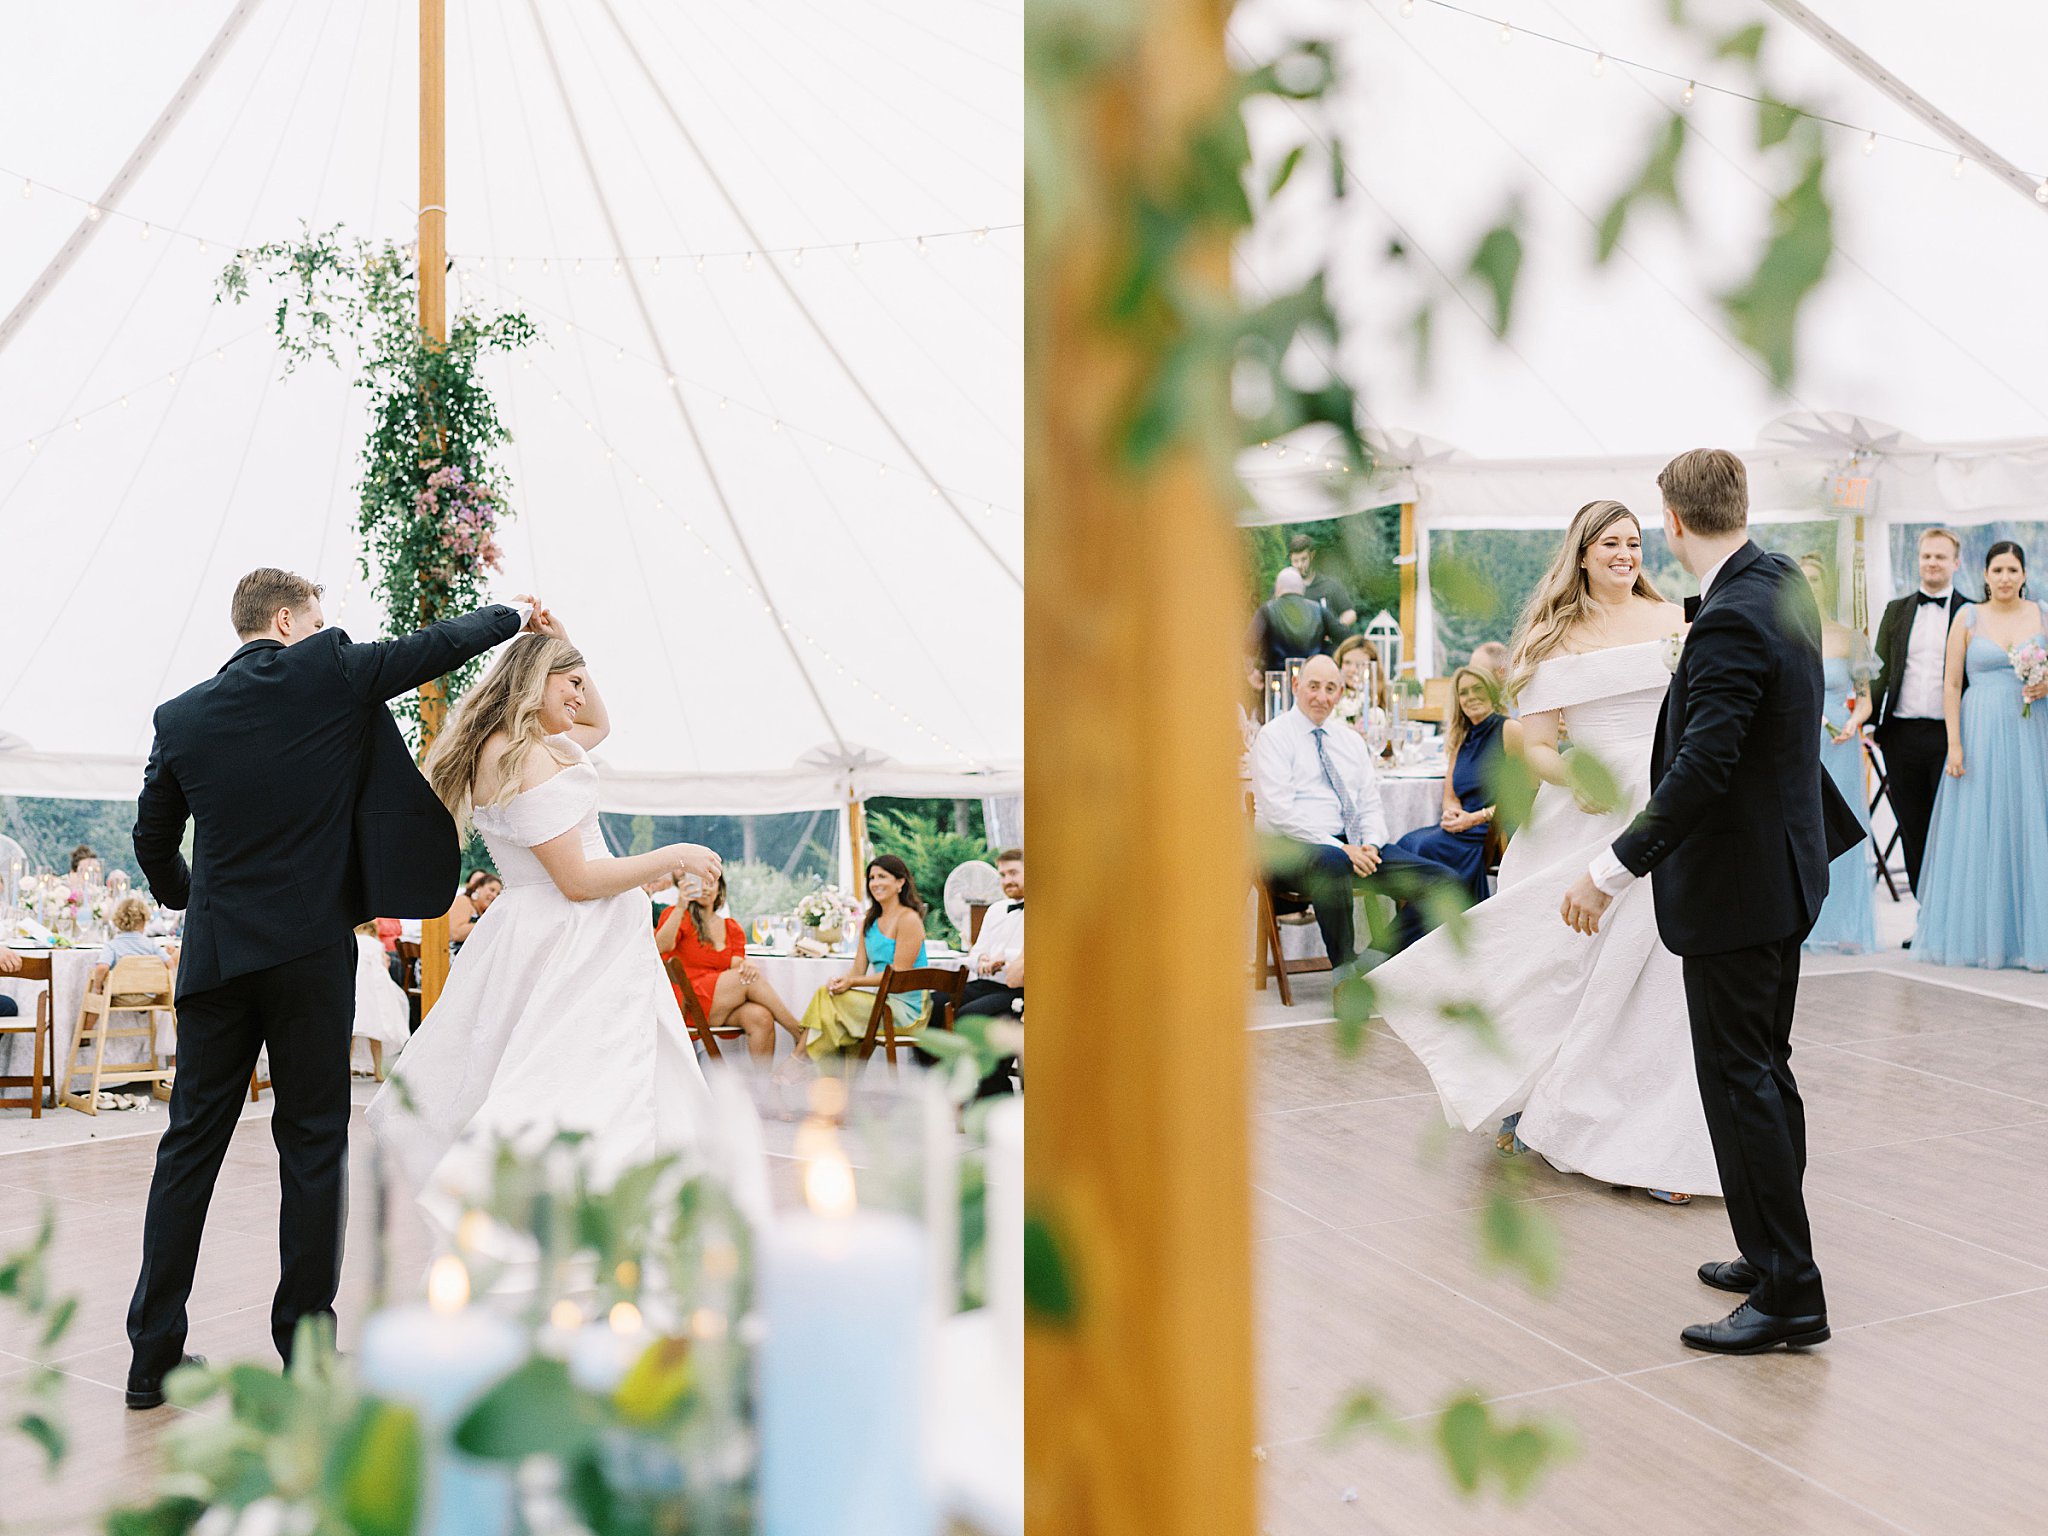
(1515, 1235)
(536, 1411)
(60, 1320)
(1422, 331)
(47, 1434)
(1470, 1015)
(169, 1516)
(1765, 310)
(1745, 43)
(1461, 584)
(1339, 180)
(656, 1387)
(1462, 1434)
(257, 1394)
(1775, 121)
(1591, 781)
(1364, 1413)
(1355, 1001)
(1049, 1292)
(1498, 264)
(1477, 1448)
(1656, 182)
(1285, 170)
(375, 1472)
(1511, 786)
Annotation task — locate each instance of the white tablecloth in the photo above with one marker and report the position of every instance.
(795, 978)
(71, 969)
(1413, 797)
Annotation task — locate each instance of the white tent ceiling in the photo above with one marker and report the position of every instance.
(1922, 351)
(859, 411)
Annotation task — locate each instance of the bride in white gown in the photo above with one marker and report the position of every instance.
(1593, 1046)
(557, 1015)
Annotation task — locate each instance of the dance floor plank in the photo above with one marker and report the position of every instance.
(1927, 1096)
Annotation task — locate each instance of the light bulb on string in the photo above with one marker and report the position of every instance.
(657, 266)
(1957, 169)
(1507, 33)
(28, 188)
(579, 264)
(1407, 7)
(618, 266)
(1870, 145)
(700, 263)
(1685, 96)
(750, 261)
(145, 232)
(2041, 193)
(544, 264)
(798, 260)
(981, 234)
(202, 247)
(856, 253)
(511, 263)
(920, 245)
(92, 213)
(1599, 65)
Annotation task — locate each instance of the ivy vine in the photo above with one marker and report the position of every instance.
(432, 495)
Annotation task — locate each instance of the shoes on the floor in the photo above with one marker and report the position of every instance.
(1746, 1331)
(1669, 1196)
(148, 1391)
(1737, 1275)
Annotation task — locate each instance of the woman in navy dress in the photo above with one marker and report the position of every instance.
(1988, 841)
(1478, 732)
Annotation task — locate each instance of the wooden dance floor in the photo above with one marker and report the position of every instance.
(1927, 1102)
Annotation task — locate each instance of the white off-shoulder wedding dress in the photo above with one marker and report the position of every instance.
(1595, 1049)
(557, 1016)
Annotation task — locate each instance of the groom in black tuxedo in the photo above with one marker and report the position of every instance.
(308, 817)
(1740, 828)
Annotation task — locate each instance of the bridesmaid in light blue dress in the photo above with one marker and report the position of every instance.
(1847, 924)
(1989, 838)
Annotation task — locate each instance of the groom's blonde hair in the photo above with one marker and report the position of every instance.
(1708, 489)
(509, 700)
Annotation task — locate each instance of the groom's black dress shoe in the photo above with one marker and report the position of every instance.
(1746, 1331)
(1737, 1275)
(148, 1391)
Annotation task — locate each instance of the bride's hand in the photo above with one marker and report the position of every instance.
(696, 859)
(545, 623)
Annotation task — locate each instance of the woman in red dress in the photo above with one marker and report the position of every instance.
(729, 986)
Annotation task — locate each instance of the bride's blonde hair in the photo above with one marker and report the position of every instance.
(1561, 598)
(509, 700)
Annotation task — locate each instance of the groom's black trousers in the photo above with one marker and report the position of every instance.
(304, 1011)
(1741, 1006)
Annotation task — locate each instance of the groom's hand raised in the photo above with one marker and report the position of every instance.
(1584, 905)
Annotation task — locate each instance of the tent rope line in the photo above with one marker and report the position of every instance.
(1849, 257)
(777, 422)
(1749, 360)
(78, 418)
(768, 605)
(1698, 84)
(675, 117)
(825, 492)
(977, 236)
(711, 475)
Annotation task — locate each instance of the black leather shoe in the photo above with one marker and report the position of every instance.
(1746, 1331)
(148, 1391)
(1737, 1275)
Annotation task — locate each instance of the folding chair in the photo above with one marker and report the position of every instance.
(945, 988)
(1882, 796)
(693, 1013)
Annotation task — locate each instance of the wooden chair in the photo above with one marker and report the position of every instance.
(977, 913)
(945, 987)
(1277, 900)
(135, 985)
(1435, 706)
(693, 1013)
(409, 958)
(43, 1028)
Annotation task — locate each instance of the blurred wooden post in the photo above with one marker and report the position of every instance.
(433, 275)
(857, 845)
(1408, 566)
(1139, 1410)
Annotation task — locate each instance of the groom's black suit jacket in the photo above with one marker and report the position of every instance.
(309, 814)
(1742, 821)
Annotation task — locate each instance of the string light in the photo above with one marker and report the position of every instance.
(1599, 65)
(1507, 33)
(2041, 193)
(798, 260)
(28, 188)
(92, 213)
(657, 266)
(1407, 7)
(145, 232)
(856, 253)
(1686, 95)
(750, 261)
(1870, 145)
(700, 263)
(920, 245)
(1957, 170)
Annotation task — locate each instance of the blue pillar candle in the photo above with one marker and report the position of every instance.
(841, 1367)
(440, 1358)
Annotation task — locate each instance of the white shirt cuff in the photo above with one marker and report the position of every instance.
(525, 612)
(1610, 874)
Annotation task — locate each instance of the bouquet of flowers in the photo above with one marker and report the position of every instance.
(2030, 662)
(826, 907)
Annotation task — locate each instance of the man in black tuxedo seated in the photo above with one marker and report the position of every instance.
(1315, 786)
(1907, 723)
(308, 816)
(995, 964)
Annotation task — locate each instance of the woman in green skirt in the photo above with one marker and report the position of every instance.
(891, 934)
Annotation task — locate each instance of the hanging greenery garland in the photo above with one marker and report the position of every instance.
(432, 496)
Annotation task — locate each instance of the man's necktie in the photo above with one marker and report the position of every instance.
(1346, 806)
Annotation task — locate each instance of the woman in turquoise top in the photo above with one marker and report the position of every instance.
(891, 933)
(1848, 919)
(1988, 841)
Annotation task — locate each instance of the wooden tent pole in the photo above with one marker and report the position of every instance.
(433, 276)
(1408, 567)
(1139, 1404)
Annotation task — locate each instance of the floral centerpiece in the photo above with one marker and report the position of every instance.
(826, 912)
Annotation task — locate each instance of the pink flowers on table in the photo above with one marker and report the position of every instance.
(2030, 662)
(467, 514)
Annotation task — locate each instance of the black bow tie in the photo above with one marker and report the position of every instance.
(1692, 609)
(1928, 598)
(1016, 906)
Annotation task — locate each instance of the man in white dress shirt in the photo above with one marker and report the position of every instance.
(1314, 781)
(999, 948)
(1907, 724)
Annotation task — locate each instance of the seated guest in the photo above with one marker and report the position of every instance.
(383, 1013)
(131, 916)
(1474, 739)
(81, 857)
(891, 935)
(462, 917)
(1316, 788)
(1491, 657)
(1355, 659)
(995, 965)
(728, 985)
(999, 945)
(1289, 625)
